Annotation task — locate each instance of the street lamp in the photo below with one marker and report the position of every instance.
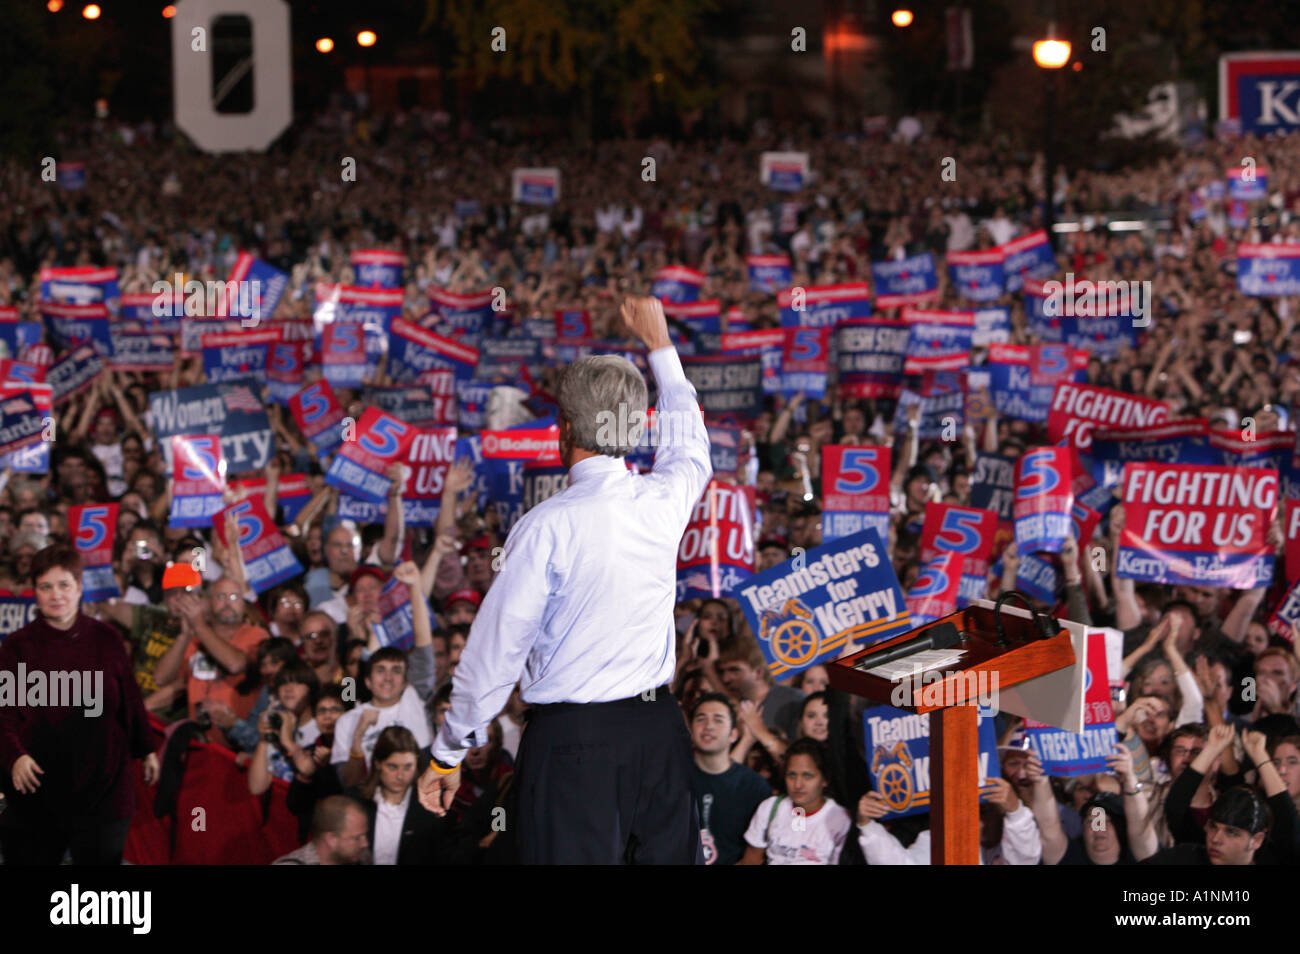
(1050, 54)
(901, 18)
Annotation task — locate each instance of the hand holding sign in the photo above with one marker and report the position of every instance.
(871, 806)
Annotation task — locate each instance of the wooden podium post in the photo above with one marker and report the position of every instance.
(954, 740)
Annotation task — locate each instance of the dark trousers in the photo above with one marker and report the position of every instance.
(29, 841)
(607, 783)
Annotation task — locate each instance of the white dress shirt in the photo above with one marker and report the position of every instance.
(582, 609)
(389, 819)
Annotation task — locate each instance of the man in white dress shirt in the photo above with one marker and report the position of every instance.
(581, 615)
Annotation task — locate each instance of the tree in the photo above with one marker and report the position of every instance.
(618, 53)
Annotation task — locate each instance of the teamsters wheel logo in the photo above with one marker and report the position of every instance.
(795, 641)
(894, 780)
(490, 444)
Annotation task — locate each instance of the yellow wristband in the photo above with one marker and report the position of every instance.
(433, 764)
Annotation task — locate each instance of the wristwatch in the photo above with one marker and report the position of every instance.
(1136, 791)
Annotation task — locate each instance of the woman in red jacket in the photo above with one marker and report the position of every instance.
(71, 721)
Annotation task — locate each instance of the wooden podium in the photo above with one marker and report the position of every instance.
(954, 741)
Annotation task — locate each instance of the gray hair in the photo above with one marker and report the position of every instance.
(604, 397)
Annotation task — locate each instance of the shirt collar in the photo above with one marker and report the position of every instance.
(596, 468)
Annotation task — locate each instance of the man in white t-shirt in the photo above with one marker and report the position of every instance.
(393, 702)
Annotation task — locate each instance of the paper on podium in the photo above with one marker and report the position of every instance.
(1055, 699)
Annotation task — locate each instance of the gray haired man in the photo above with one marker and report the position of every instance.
(581, 615)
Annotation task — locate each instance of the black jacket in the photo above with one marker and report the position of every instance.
(426, 838)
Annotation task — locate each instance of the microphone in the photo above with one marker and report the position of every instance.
(939, 636)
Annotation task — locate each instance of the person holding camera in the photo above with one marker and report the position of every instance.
(286, 731)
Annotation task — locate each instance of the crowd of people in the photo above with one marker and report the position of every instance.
(295, 679)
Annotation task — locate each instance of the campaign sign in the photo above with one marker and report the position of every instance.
(429, 455)
(535, 440)
(396, 625)
(1260, 91)
(198, 480)
(1079, 408)
(677, 283)
(908, 281)
(341, 351)
(571, 323)
(253, 289)
(291, 494)
(74, 372)
(1198, 525)
(71, 175)
(1029, 256)
(823, 306)
(15, 613)
(18, 335)
(992, 326)
(81, 285)
(73, 324)
(319, 415)
(768, 273)
(715, 555)
(855, 490)
(1023, 378)
(769, 345)
(1247, 183)
(141, 352)
(724, 450)
(472, 398)
(230, 409)
(1280, 622)
(502, 358)
(285, 363)
(535, 186)
(1067, 754)
(1292, 541)
(413, 350)
(993, 487)
(898, 756)
(783, 171)
(378, 268)
(93, 529)
(939, 341)
(695, 326)
(229, 357)
(1044, 499)
(159, 312)
(942, 399)
(35, 457)
(359, 467)
(1036, 576)
(870, 353)
(21, 372)
(1184, 441)
(811, 608)
(442, 395)
(268, 561)
(726, 384)
(1268, 270)
(409, 403)
(970, 533)
(21, 421)
(1043, 323)
(977, 275)
(462, 314)
(935, 591)
(805, 358)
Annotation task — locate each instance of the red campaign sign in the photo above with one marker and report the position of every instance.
(966, 531)
(855, 479)
(537, 443)
(1198, 524)
(94, 529)
(745, 341)
(197, 465)
(1097, 706)
(21, 371)
(1044, 499)
(1292, 541)
(315, 408)
(429, 455)
(381, 439)
(285, 361)
(442, 388)
(934, 593)
(573, 323)
(806, 350)
(1079, 408)
(716, 552)
(342, 344)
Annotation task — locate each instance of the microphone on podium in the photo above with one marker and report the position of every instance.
(939, 636)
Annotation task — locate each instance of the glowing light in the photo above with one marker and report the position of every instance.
(90, 11)
(169, 11)
(366, 38)
(901, 18)
(324, 44)
(54, 6)
(1051, 54)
